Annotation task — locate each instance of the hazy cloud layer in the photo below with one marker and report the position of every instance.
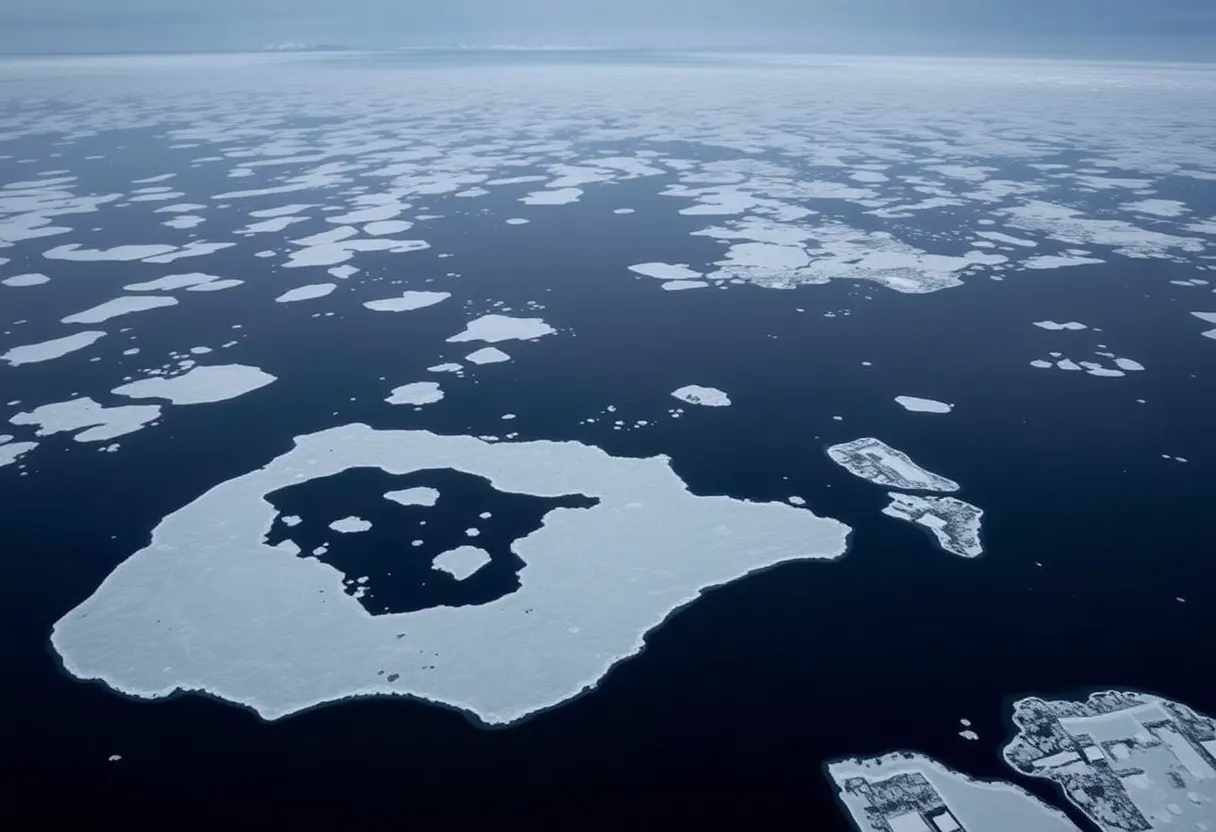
(1139, 28)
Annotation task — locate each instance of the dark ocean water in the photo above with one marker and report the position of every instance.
(736, 703)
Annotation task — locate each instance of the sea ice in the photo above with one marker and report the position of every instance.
(665, 271)
(495, 328)
(462, 562)
(199, 385)
(350, 525)
(417, 393)
(1072, 326)
(560, 196)
(407, 302)
(170, 282)
(706, 396)
(597, 580)
(681, 285)
(46, 350)
(954, 523)
(450, 367)
(879, 463)
(487, 355)
(421, 496)
(99, 423)
(311, 292)
(19, 280)
(923, 405)
(124, 305)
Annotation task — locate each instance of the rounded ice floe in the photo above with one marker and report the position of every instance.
(417, 393)
(47, 350)
(310, 292)
(407, 302)
(918, 405)
(518, 221)
(124, 305)
(495, 328)
(420, 496)
(20, 280)
(705, 396)
(350, 525)
(199, 385)
(877, 462)
(681, 285)
(461, 562)
(449, 367)
(596, 581)
(95, 423)
(487, 355)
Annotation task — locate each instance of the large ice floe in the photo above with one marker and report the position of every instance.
(209, 606)
(199, 385)
(905, 792)
(94, 422)
(55, 348)
(879, 463)
(495, 328)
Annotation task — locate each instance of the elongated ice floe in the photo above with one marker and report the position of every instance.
(417, 393)
(199, 385)
(310, 292)
(705, 396)
(559, 196)
(1207, 317)
(208, 606)
(1072, 326)
(918, 405)
(906, 792)
(954, 523)
(124, 305)
(95, 423)
(47, 350)
(495, 328)
(23, 280)
(171, 282)
(1129, 761)
(10, 451)
(407, 301)
(665, 271)
(879, 463)
(420, 496)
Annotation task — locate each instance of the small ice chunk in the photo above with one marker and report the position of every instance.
(407, 302)
(495, 328)
(420, 496)
(311, 292)
(462, 562)
(917, 405)
(487, 355)
(518, 221)
(681, 285)
(1128, 364)
(350, 525)
(449, 367)
(1068, 364)
(416, 393)
(1072, 326)
(706, 396)
(19, 280)
(292, 520)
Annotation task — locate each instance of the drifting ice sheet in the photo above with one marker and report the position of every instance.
(100, 423)
(421, 496)
(199, 385)
(495, 328)
(597, 580)
(706, 396)
(316, 290)
(487, 355)
(119, 306)
(407, 302)
(923, 405)
(879, 463)
(418, 393)
(954, 523)
(462, 562)
(46, 350)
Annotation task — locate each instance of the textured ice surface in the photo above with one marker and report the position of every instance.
(198, 385)
(954, 523)
(408, 301)
(495, 328)
(47, 350)
(208, 605)
(706, 396)
(124, 305)
(906, 792)
(879, 463)
(918, 405)
(417, 393)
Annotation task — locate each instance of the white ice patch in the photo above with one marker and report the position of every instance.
(171, 282)
(705, 396)
(421, 496)
(954, 523)
(1056, 261)
(449, 367)
(47, 350)
(350, 525)
(597, 580)
(495, 328)
(1071, 326)
(682, 285)
(560, 196)
(487, 355)
(310, 292)
(199, 385)
(96, 423)
(124, 305)
(215, 285)
(382, 228)
(462, 562)
(1168, 208)
(416, 393)
(407, 302)
(21, 280)
(879, 463)
(665, 271)
(917, 405)
(518, 221)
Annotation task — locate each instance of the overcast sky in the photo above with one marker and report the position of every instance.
(1184, 29)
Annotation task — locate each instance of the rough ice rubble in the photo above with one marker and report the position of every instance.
(877, 462)
(954, 523)
(580, 609)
